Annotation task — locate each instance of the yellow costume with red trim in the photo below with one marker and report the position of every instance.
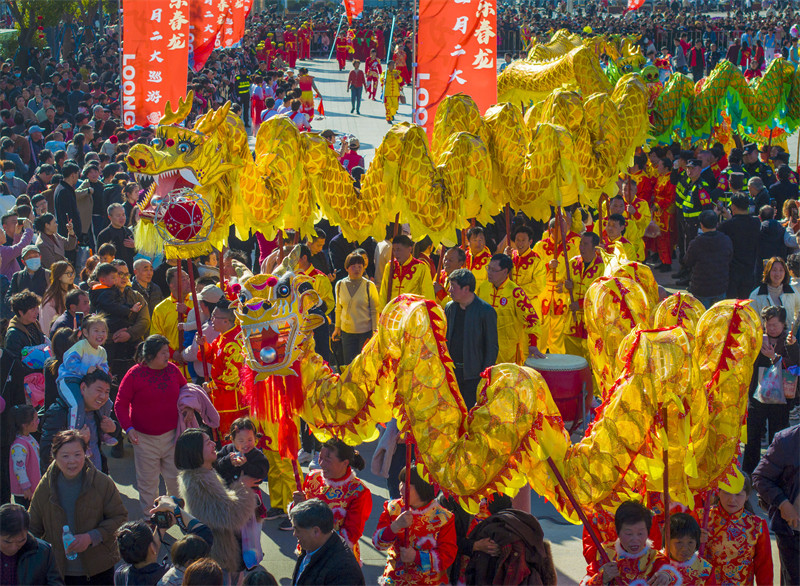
(636, 226)
(323, 287)
(582, 276)
(348, 498)
(432, 534)
(525, 272)
(392, 83)
(552, 305)
(225, 356)
(443, 296)
(413, 276)
(626, 245)
(517, 320)
(477, 264)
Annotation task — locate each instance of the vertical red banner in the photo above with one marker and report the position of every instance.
(353, 8)
(456, 53)
(205, 22)
(155, 57)
(233, 28)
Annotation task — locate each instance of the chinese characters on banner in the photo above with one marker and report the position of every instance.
(456, 53)
(353, 8)
(233, 28)
(205, 21)
(155, 57)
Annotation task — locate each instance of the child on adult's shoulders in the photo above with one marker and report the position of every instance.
(632, 557)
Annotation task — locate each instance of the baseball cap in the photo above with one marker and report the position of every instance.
(35, 128)
(695, 163)
(211, 294)
(28, 249)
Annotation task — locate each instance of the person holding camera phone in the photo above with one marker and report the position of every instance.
(140, 542)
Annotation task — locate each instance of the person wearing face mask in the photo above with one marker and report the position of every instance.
(15, 185)
(33, 277)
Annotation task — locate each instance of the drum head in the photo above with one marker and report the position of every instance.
(558, 362)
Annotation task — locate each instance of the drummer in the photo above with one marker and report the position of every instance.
(517, 321)
(585, 268)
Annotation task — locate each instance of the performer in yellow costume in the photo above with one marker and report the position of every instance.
(478, 255)
(637, 212)
(584, 270)
(551, 272)
(524, 262)
(612, 237)
(392, 83)
(322, 284)
(410, 275)
(517, 321)
(454, 258)
(165, 315)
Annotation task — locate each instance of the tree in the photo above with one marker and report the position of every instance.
(29, 15)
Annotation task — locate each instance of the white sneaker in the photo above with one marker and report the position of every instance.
(303, 457)
(314, 462)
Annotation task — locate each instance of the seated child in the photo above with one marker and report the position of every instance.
(685, 565)
(83, 357)
(632, 558)
(738, 545)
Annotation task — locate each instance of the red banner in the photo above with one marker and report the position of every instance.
(353, 8)
(456, 53)
(205, 21)
(635, 4)
(155, 57)
(233, 28)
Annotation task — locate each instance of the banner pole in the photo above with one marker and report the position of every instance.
(336, 36)
(391, 40)
(414, 63)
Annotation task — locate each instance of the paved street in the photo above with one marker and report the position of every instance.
(278, 546)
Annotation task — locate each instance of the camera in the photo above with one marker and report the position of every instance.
(162, 519)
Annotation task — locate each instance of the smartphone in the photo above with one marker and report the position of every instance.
(78, 319)
(20, 221)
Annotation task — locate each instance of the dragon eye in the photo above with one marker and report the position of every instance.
(184, 147)
(282, 291)
(157, 143)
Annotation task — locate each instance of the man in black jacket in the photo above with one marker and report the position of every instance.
(471, 334)
(708, 257)
(33, 559)
(743, 230)
(325, 559)
(66, 206)
(777, 480)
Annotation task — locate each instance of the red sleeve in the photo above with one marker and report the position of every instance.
(763, 557)
(122, 404)
(384, 537)
(446, 547)
(357, 514)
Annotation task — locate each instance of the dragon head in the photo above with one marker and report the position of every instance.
(202, 159)
(277, 314)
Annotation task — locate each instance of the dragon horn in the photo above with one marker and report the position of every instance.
(289, 264)
(213, 119)
(175, 116)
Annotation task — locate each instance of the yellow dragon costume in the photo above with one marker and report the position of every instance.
(698, 370)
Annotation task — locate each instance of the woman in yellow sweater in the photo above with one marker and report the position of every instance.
(357, 305)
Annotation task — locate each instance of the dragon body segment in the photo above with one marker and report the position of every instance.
(505, 441)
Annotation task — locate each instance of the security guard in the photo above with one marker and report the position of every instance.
(242, 85)
(680, 180)
(698, 198)
(753, 167)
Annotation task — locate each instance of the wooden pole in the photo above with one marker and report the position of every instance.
(297, 478)
(603, 200)
(563, 232)
(189, 265)
(666, 480)
(280, 246)
(222, 272)
(181, 316)
(407, 484)
(579, 510)
(706, 511)
(395, 230)
(508, 224)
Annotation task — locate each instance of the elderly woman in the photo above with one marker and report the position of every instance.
(775, 289)
(147, 409)
(224, 510)
(75, 494)
(357, 308)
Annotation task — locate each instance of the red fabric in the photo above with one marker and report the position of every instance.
(147, 399)
(356, 79)
(738, 548)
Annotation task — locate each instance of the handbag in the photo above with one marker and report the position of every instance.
(770, 385)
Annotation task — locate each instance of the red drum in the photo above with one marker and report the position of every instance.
(570, 380)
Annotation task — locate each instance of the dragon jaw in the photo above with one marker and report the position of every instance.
(161, 184)
(276, 317)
